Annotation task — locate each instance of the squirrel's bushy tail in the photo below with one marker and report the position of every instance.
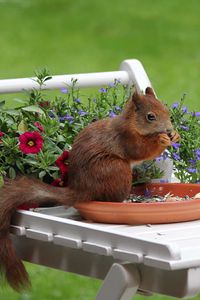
(11, 266)
(13, 194)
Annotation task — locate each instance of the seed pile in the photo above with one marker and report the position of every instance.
(147, 197)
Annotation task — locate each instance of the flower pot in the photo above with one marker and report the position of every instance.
(146, 213)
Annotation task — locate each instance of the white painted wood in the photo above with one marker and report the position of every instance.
(39, 235)
(17, 230)
(136, 73)
(128, 255)
(132, 72)
(121, 283)
(98, 248)
(67, 242)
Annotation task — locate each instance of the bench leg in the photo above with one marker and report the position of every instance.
(121, 283)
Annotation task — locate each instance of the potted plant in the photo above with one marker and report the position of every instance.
(50, 125)
(36, 136)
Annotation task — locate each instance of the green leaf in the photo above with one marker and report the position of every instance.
(2, 103)
(33, 108)
(42, 174)
(30, 161)
(1, 181)
(20, 166)
(13, 112)
(53, 168)
(61, 138)
(47, 78)
(12, 173)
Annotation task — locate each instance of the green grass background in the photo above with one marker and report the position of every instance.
(69, 36)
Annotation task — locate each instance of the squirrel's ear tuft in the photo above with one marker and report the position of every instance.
(149, 91)
(136, 100)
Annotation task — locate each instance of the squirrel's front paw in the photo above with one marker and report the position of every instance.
(164, 140)
(175, 137)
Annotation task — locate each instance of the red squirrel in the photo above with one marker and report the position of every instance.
(99, 169)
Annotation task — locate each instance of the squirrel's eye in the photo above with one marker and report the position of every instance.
(151, 116)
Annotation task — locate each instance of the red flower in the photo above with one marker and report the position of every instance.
(58, 182)
(39, 126)
(27, 206)
(62, 182)
(1, 135)
(62, 162)
(30, 142)
(44, 104)
(65, 179)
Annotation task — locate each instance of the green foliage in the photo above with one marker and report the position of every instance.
(146, 172)
(42, 76)
(186, 153)
(56, 123)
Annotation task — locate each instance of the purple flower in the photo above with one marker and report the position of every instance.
(191, 170)
(66, 117)
(117, 108)
(51, 114)
(102, 90)
(196, 114)
(112, 114)
(186, 128)
(82, 113)
(192, 161)
(159, 158)
(69, 118)
(62, 118)
(176, 145)
(112, 84)
(64, 90)
(163, 156)
(198, 154)
(175, 105)
(164, 181)
(77, 100)
(147, 193)
(176, 156)
(185, 109)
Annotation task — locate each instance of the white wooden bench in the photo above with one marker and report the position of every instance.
(163, 259)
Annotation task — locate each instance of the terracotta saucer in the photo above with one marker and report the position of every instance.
(146, 213)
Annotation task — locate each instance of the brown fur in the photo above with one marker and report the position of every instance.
(99, 169)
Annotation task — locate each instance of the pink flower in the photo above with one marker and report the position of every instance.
(39, 126)
(62, 162)
(30, 142)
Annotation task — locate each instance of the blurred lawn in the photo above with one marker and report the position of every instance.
(49, 284)
(70, 36)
